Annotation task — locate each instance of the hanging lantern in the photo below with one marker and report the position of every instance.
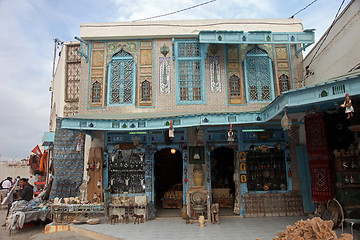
(286, 122)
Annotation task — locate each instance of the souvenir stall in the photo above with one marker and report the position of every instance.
(68, 193)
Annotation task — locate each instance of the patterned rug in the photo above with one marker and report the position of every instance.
(68, 163)
(322, 184)
(316, 137)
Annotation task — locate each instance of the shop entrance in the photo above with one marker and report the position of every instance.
(168, 171)
(222, 183)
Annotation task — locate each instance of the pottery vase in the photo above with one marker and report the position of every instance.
(202, 221)
(198, 175)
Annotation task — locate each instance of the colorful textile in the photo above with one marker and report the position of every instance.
(68, 163)
(42, 161)
(37, 150)
(322, 185)
(316, 138)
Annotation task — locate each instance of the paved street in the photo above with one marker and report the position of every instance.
(169, 228)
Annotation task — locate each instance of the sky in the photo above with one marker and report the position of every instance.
(28, 29)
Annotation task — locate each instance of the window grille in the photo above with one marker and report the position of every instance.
(258, 76)
(145, 91)
(96, 91)
(190, 66)
(283, 83)
(121, 79)
(234, 85)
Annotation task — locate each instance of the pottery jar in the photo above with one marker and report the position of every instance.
(198, 175)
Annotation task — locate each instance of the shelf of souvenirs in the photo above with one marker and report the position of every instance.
(348, 185)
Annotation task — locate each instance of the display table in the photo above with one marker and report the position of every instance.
(66, 213)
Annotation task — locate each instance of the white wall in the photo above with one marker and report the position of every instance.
(14, 171)
(340, 51)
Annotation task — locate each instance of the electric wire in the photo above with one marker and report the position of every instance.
(326, 34)
(190, 25)
(303, 8)
(182, 10)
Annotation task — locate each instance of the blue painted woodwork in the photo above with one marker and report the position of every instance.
(121, 80)
(257, 37)
(259, 81)
(305, 178)
(86, 53)
(190, 72)
(48, 138)
(295, 100)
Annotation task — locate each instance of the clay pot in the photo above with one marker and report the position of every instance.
(202, 221)
(198, 177)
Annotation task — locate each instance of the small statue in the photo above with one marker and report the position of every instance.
(114, 219)
(215, 213)
(138, 218)
(348, 106)
(125, 218)
(230, 135)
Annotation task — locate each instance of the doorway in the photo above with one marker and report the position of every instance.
(222, 183)
(168, 171)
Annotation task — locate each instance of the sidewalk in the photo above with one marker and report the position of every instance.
(175, 228)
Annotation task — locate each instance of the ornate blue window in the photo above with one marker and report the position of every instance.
(190, 84)
(259, 80)
(121, 79)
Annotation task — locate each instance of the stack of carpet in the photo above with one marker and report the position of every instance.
(311, 229)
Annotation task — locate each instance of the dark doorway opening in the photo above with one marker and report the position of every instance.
(168, 171)
(222, 183)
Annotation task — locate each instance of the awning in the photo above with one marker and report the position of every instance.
(48, 139)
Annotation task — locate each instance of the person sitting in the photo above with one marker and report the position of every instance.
(7, 183)
(26, 190)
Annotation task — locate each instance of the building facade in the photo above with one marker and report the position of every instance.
(172, 113)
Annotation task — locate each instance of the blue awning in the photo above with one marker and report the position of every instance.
(48, 139)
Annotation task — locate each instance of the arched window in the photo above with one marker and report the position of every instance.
(283, 83)
(121, 79)
(259, 80)
(145, 90)
(234, 85)
(95, 93)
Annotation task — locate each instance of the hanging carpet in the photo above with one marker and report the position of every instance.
(322, 186)
(68, 163)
